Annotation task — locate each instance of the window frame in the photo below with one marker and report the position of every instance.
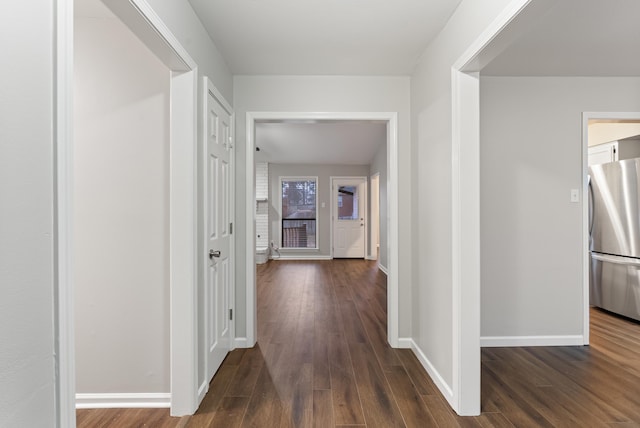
(282, 179)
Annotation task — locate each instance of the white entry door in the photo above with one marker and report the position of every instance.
(218, 258)
(349, 216)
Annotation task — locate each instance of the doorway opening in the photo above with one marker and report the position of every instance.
(599, 131)
(181, 205)
(254, 199)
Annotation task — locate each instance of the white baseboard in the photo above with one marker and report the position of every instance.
(123, 400)
(444, 388)
(202, 391)
(302, 257)
(519, 341)
(241, 342)
(405, 343)
(371, 257)
(383, 269)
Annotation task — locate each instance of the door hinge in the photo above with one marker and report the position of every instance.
(231, 314)
(230, 228)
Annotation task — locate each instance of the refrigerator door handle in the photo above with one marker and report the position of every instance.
(616, 259)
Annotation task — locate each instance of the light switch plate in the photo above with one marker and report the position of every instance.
(575, 195)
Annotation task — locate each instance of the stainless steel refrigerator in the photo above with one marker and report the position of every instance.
(614, 228)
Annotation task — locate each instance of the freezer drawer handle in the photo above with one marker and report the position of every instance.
(616, 260)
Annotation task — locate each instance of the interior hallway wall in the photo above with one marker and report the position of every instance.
(326, 94)
(431, 137)
(531, 234)
(121, 215)
(27, 231)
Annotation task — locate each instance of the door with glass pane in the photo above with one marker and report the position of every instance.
(349, 216)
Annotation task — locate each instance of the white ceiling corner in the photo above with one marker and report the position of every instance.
(574, 38)
(320, 37)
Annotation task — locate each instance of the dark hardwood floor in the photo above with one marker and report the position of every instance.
(322, 361)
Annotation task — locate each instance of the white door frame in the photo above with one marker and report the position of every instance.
(392, 209)
(147, 25)
(374, 211)
(208, 87)
(586, 117)
(365, 203)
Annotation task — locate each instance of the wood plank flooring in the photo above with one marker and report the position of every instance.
(322, 361)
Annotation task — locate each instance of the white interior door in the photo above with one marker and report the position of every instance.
(349, 217)
(218, 285)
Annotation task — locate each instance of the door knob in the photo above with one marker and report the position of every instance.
(213, 254)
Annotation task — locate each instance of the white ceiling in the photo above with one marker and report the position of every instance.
(318, 37)
(350, 142)
(575, 38)
(382, 37)
(91, 9)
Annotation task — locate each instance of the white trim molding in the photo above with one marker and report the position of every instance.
(517, 341)
(405, 343)
(442, 385)
(383, 269)
(151, 400)
(202, 390)
(392, 209)
(241, 342)
(301, 257)
(64, 319)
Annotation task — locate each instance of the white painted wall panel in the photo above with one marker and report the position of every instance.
(121, 227)
(27, 285)
(531, 235)
(431, 321)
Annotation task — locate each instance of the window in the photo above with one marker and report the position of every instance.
(298, 212)
(348, 203)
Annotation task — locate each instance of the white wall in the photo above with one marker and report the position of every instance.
(27, 284)
(431, 138)
(531, 235)
(326, 94)
(323, 192)
(121, 215)
(379, 165)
